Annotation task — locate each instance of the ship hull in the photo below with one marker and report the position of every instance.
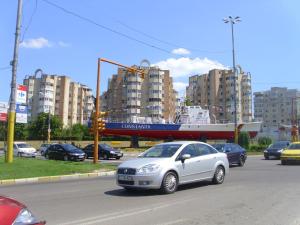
(179, 131)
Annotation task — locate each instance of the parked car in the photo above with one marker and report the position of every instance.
(65, 152)
(14, 212)
(275, 150)
(104, 151)
(43, 148)
(236, 154)
(22, 149)
(291, 153)
(167, 165)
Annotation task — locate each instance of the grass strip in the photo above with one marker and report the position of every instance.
(27, 168)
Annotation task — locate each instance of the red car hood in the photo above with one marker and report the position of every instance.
(9, 209)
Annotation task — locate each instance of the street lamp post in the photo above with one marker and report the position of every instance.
(233, 21)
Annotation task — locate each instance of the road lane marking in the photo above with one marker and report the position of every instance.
(174, 222)
(121, 214)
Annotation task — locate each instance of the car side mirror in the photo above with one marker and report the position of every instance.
(184, 157)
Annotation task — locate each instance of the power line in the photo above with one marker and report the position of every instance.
(104, 27)
(30, 21)
(5, 68)
(166, 42)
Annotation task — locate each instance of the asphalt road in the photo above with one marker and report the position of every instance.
(263, 192)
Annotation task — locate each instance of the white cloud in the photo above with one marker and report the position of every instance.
(180, 86)
(36, 43)
(186, 66)
(181, 51)
(64, 44)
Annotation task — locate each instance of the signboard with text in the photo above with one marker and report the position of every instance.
(3, 111)
(21, 94)
(21, 113)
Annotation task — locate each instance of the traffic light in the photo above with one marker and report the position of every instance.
(101, 121)
(101, 124)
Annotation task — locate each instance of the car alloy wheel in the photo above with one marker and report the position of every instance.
(19, 154)
(170, 183)
(47, 156)
(219, 175)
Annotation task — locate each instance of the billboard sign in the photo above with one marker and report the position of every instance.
(3, 111)
(21, 113)
(21, 94)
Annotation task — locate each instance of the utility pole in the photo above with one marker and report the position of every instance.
(12, 105)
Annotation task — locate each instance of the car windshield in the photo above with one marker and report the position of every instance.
(279, 145)
(45, 145)
(23, 145)
(219, 147)
(294, 147)
(161, 151)
(69, 147)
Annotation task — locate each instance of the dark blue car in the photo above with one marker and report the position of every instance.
(275, 149)
(236, 154)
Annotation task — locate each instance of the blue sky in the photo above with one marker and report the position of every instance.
(267, 39)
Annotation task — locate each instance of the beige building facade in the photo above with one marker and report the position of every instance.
(277, 107)
(215, 91)
(131, 98)
(72, 102)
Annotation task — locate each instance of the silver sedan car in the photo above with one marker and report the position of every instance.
(167, 165)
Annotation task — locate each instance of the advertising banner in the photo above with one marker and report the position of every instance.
(21, 94)
(21, 113)
(3, 111)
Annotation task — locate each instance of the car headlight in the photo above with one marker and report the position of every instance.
(265, 151)
(112, 152)
(25, 217)
(150, 168)
(281, 150)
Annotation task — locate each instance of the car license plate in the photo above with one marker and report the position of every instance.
(119, 154)
(125, 177)
(80, 156)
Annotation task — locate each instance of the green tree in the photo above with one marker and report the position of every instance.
(3, 131)
(264, 141)
(80, 132)
(38, 129)
(244, 140)
(187, 101)
(21, 131)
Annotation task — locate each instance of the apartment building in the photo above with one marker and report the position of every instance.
(215, 91)
(71, 101)
(277, 107)
(131, 98)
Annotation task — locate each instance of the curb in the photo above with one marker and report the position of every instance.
(55, 178)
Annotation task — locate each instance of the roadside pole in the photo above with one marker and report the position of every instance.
(12, 105)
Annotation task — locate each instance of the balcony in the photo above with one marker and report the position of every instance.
(134, 102)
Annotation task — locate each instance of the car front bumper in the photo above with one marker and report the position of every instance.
(290, 158)
(116, 155)
(27, 154)
(272, 154)
(152, 181)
